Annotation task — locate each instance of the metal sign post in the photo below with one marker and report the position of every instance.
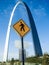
(22, 51)
(22, 29)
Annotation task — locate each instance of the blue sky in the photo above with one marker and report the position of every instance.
(40, 13)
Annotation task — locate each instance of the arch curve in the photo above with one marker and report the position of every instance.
(8, 30)
(37, 47)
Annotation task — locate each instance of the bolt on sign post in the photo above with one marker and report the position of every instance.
(22, 29)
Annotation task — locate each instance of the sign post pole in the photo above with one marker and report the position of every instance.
(22, 51)
(22, 29)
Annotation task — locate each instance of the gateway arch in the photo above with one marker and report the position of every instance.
(37, 47)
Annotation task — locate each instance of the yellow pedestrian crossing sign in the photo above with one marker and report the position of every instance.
(21, 27)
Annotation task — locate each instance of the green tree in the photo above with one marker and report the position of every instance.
(12, 61)
(45, 59)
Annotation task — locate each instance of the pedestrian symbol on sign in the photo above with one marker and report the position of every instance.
(22, 27)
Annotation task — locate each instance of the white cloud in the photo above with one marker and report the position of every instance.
(7, 11)
(40, 12)
(28, 46)
(18, 44)
(31, 2)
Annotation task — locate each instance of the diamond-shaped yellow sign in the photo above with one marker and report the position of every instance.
(21, 27)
